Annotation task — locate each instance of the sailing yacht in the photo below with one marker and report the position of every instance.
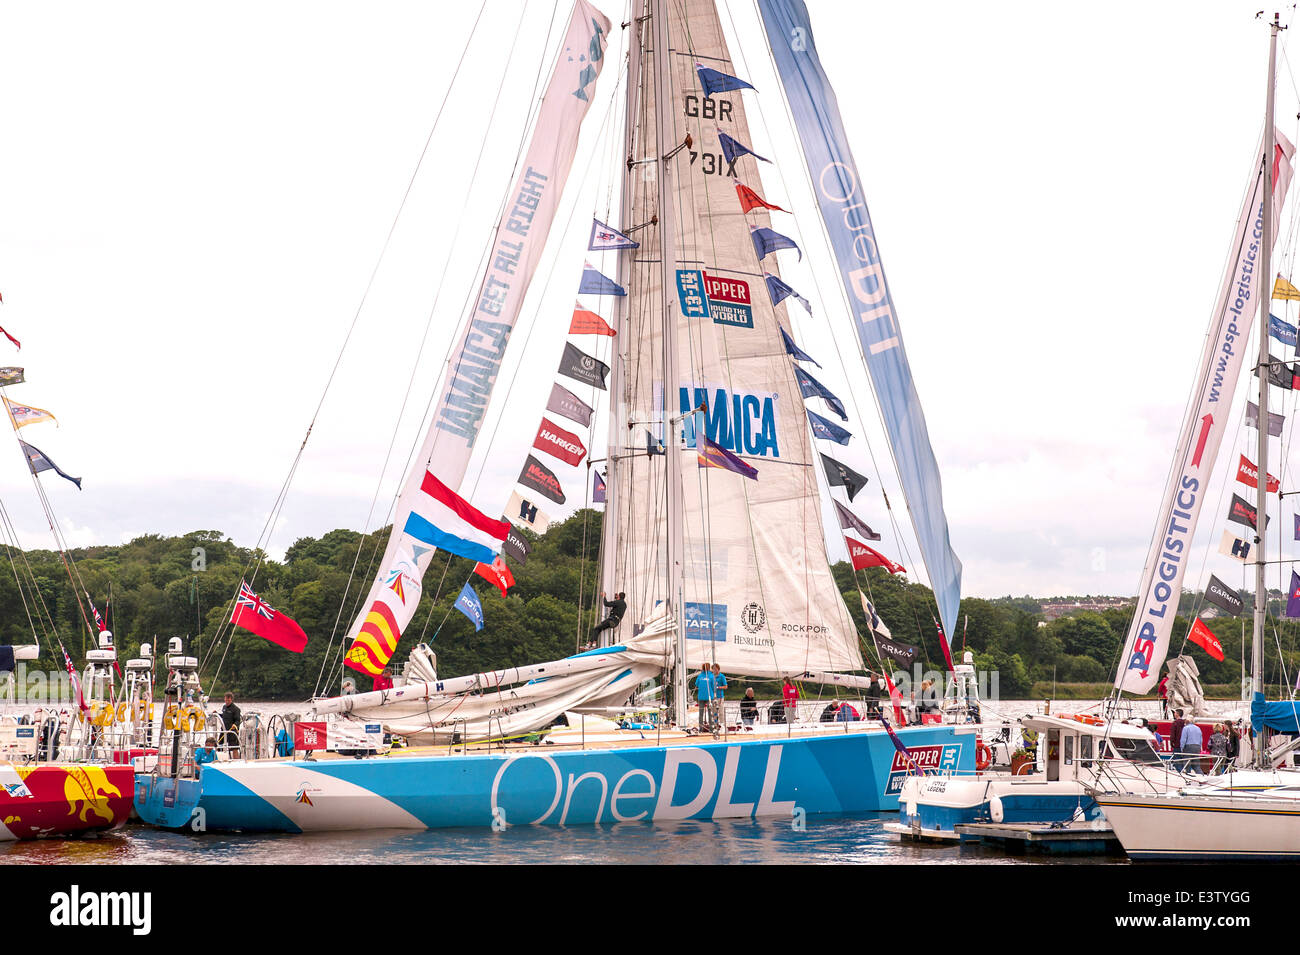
(724, 563)
(1251, 814)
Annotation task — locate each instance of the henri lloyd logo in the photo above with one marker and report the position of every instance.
(103, 909)
(752, 618)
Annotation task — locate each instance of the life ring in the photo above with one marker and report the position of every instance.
(169, 716)
(101, 714)
(1089, 719)
(122, 711)
(983, 755)
(143, 711)
(194, 718)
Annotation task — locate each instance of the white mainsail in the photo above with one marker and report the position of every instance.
(1202, 433)
(759, 595)
(458, 415)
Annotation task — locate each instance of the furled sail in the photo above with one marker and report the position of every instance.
(520, 238)
(759, 597)
(844, 210)
(1202, 433)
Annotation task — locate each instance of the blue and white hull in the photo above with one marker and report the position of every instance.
(842, 772)
(933, 807)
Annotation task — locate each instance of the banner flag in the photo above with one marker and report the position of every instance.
(778, 292)
(580, 366)
(903, 654)
(848, 225)
(1285, 290)
(1248, 475)
(1230, 545)
(605, 237)
(559, 443)
(593, 283)
(598, 491)
(751, 200)
(810, 387)
(17, 343)
(23, 415)
(1297, 527)
(733, 149)
(255, 615)
(565, 402)
(863, 557)
(1224, 597)
(587, 322)
(841, 475)
(39, 461)
(1275, 421)
(1293, 596)
(873, 619)
(827, 430)
(1280, 374)
(713, 455)
(1282, 331)
(1243, 512)
(516, 546)
(1202, 636)
(794, 351)
(496, 573)
(468, 604)
(541, 479)
(767, 241)
(445, 520)
(851, 522)
(525, 512)
(518, 244)
(11, 376)
(715, 81)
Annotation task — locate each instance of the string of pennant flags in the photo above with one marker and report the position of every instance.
(537, 479)
(1222, 597)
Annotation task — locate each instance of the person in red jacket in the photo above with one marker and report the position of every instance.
(384, 681)
(1163, 690)
(790, 693)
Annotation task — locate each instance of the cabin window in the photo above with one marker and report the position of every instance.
(1085, 749)
(1137, 750)
(1069, 750)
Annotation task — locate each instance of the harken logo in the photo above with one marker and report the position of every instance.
(752, 617)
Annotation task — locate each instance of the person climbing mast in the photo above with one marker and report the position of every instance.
(616, 608)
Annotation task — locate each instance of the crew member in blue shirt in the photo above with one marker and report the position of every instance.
(1190, 746)
(704, 694)
(719, 693)
(208, 754)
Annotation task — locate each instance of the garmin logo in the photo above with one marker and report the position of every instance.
(76, 908)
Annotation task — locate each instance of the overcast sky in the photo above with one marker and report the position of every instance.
(193, 199)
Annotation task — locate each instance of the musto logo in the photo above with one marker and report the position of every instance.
(931, 759)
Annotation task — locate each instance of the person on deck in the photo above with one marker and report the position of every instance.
(1190, 747)
(614, 613)
(846, 714)
(790, 695)
(230, 717)
(873, 698)
(1176, 734)
(749, 708)
(719, 693)
(1163, 690)
(208, 754)
(704, 695)
(385, 680)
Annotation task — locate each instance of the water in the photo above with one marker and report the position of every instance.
(838, 839)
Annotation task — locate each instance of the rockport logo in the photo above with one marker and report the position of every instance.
(77, 908)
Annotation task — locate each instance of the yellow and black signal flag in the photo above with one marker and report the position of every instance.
(1285, 290)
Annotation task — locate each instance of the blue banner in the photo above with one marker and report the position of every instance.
(844, 210)
(1282, 331)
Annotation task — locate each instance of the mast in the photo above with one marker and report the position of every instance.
(664, 137)
(1261, 482)
(617, 417)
